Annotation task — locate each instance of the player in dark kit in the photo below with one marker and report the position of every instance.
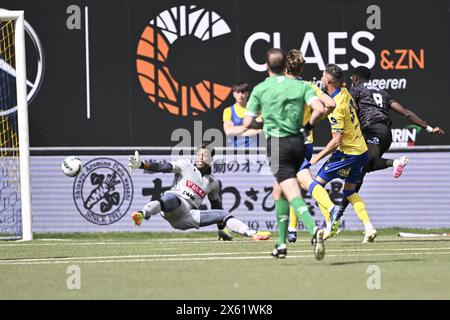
(373, 107)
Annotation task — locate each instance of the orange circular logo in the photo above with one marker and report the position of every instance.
(154, 73)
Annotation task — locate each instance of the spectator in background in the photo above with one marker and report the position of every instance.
(233, 117)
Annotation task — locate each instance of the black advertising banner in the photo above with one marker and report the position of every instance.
(158, 66)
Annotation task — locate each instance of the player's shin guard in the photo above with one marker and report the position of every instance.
(302, 212)
(293, 220)
(359, 207)
(282, 216)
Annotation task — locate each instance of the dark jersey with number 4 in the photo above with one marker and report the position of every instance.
(373, 104)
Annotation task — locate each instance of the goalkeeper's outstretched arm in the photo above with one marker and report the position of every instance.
(157, 167)
(136, 163)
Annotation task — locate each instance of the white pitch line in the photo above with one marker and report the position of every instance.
(201, 241)
(210, 254)
(53, 242)
(192, 256)
(223, 258)
(125, 243)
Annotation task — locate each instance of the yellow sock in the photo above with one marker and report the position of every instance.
(293, 220)
(321, 195)
(360, 208)
(325, 212)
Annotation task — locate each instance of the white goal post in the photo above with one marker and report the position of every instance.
(17, 18)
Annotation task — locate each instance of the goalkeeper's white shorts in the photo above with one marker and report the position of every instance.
(183, 217)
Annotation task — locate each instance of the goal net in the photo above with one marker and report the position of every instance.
(15, 198)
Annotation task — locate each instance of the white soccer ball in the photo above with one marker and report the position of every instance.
(71, 166)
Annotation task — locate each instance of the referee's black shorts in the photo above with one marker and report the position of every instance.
(286, 155)
(378, 134)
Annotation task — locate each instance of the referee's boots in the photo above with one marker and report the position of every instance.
(279, 251)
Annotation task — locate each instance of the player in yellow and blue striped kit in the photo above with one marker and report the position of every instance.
(348, 151)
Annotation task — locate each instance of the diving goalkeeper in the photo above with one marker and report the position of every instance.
(179, 206)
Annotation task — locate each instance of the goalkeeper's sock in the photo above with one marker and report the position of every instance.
(282, 217)
(238, 226)
(302, 212)
(293, 220)
(360, 209)
(151, 208)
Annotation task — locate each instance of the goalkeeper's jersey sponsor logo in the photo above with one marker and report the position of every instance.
(103, 191)
(196, 189)
(162, 80)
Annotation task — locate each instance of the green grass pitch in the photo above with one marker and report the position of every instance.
(197, 266)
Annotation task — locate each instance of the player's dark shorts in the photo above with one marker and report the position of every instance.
(378, 134)
(308, 155)
(286, 155)
(344, 166)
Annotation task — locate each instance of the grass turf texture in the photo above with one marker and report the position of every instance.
(197, 266)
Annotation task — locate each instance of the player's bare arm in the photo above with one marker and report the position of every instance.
(318, 110)
(248, 120)
(329, 104)
(230, 129)
(415, 119)
(332, 145)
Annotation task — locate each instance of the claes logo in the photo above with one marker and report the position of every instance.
(174, 78)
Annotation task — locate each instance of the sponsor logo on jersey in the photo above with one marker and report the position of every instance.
(344, 172)
(196, 189)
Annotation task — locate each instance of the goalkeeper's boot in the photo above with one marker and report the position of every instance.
(137, 217)
(318, 244)
(224, 234)
(261, 235)
(369, 235)
(292, 236)
(279, 251)
(399, 165)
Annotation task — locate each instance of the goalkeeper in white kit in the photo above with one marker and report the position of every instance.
(192, 183)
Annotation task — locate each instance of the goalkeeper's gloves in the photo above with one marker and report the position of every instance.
(134, 162)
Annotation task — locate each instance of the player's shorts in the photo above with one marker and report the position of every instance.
(378, 134)
(286, 155)
(184, 217)
(343, 166)
(308, 155)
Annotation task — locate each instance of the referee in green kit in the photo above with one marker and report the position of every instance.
(280, 100)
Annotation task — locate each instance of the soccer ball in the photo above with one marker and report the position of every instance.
(71, 166)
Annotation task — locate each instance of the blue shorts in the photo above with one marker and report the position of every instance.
(343, 166)
(309, 152)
